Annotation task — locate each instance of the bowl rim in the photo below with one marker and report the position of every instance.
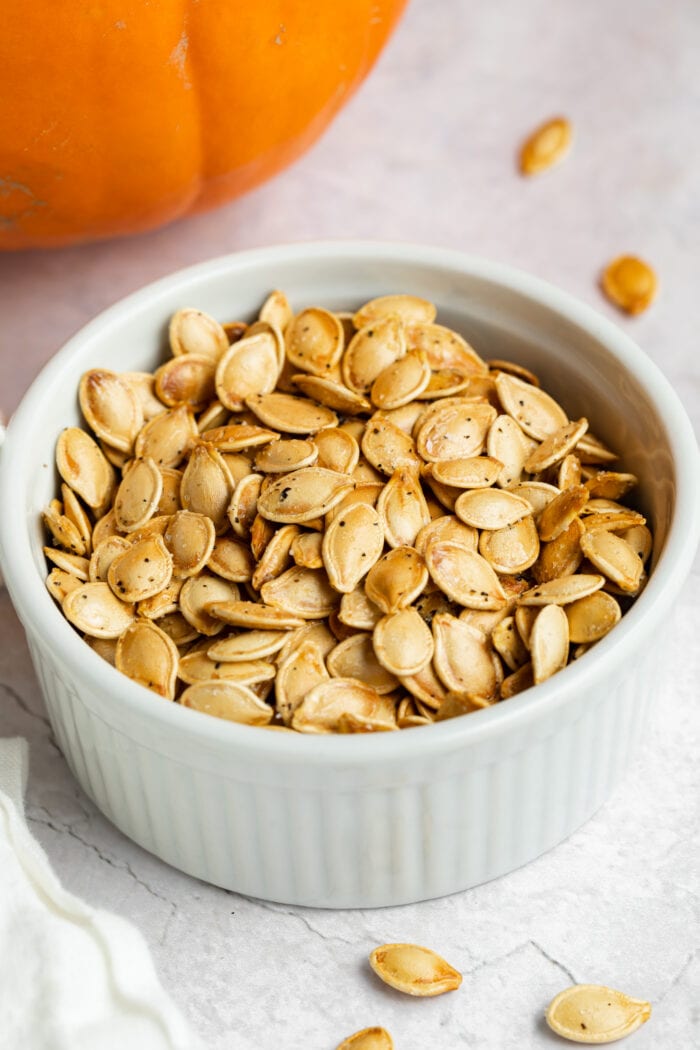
(35, 607)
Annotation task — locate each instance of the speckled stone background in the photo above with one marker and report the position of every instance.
(425, 152)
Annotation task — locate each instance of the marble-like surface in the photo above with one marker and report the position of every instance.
(426, 152)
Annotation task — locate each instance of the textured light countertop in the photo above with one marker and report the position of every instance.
(426, 152)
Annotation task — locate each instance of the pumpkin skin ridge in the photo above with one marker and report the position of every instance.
(125, 118)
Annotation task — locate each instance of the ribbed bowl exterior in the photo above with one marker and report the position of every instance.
(445, 826)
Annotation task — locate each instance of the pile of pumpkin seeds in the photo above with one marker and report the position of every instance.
(332, 522)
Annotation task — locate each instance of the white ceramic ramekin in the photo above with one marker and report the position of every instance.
(361, 820)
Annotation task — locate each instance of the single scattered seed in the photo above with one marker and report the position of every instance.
(629, 283)
(592, 1013)
(548, 145)
(414, 970)
(368, 1039)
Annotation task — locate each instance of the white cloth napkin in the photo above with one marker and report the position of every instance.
(71, 977)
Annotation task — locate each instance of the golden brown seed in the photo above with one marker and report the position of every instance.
(72, 563)
(536, 412)
(198, 594)
(231, 559)
(332, 394)
(297, 674)
(247, 645)
(248, 367)
(508, 644)
(111, 407)
(614, 557)
(356, 610)
(445, 350)
(368, 1038)
(194, 332)
(507, 443)
(276, 310)
(301, 592)
(513, 549)
(337, 450)
(402, 643)
(409, 308)
(243, 508)
(402, 381)
(402, 508)
(60, 583)
(549, 642)
(387, 447)
(473, 472)
(162, 604)
(148, 656)
(303, 495)
(229, 700)
(455, 431)
(197, 666)
(463, 659)
(546, 146)
(355, 657)
(591, 1013)
(629, 283)
(252, 614)
(141, 571)
(610, 484)
(414, 970)
(559, 513)
(464, 576)
(276, 555)
(306, 550)
(280, 457)
(556, 446)
(314, 341)
(143, 385)
(562, 556)
(517, 682)
(190, 539)
(236, 436)
(591, 618)
(425, 687)
(397, 579)
(371, 350)
(138, 495)
(167, 438)
(563, 590)
(323, 706)
(94, 610)
(491, 508)
(293, 415)
(103, 555)
(352, 544)
(447, 527)
(84, 468)
(207, 487)
(186, 380)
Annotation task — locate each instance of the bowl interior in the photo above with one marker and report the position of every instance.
(500, 313)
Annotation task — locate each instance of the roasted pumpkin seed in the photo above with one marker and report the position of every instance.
(591, 1013)
(414, 970)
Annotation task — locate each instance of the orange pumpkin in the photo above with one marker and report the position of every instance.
(119, 115)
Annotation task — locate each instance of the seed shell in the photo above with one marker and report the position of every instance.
(332, 394)
(463, 659)
(198, 594)
(280, 457)
(368, 1039)
(355, 658)
(301, 592)
(190, 539)
(111, 407)
(591, 1013)
(402, 381)
(387, 447)
(352, 544)
(138, 495)
(207, 487)
(141, 571)
(563, 590)
(548, 145)
(630, 283)
(94, 610)
(293, 415)
(402, 508)
(464, 576)
(414, 970)
(397, 579)
(186, 380)
(303, 495)
(402, 643)
(611, 555)
(167, 438)
(300, 672)
(491, 508)
(84, 467)
(194, 332)
(409, 308)
(536, 412)
(248, 367)
(557, 445)
(323, 706)
(229, 700)
(314, 341)
(549, 642)
(148, 656)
